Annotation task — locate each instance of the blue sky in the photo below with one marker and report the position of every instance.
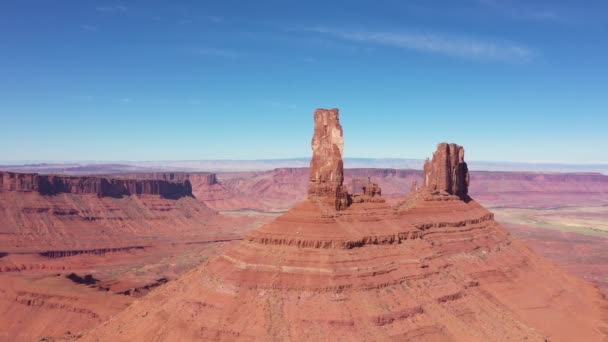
(167, 80)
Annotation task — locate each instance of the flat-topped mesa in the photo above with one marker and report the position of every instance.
(93, 185)
(447, 173)
(326, 166)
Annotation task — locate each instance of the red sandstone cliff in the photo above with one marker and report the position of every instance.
(280, 189)
(326, 166)
(51, 226)
(100, 186)
(205, 178)
(447, 172)
(435, 270)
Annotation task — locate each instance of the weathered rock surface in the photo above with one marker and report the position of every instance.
(326, 166)
(108, 226)
(364, 190)
(202, 178)
(281, 189)
(447, 172)
(72, 221)
(100, 186)
(438, 269)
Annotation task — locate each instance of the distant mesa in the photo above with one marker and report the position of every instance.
(100, 186)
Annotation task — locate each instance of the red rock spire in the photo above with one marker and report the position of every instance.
(326, 166)
(447, 172)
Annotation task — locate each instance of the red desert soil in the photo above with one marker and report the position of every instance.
(342, 266)
(586, 254)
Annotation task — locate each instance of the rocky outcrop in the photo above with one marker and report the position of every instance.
(11, 181)
(96, 251)
(439, 269)
(199, 177)
(203, 178)
(100, 186)
(364, 190)
(326, 166)
(447, 172)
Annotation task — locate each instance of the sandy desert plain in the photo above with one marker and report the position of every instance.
(81, 245)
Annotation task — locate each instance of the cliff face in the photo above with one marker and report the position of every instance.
(326, 166)
(200, 178)
(197, 177)
(100, 186)
(447, 172)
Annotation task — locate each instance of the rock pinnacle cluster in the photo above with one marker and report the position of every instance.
(333, 269)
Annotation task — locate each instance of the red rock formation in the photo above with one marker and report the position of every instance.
(203, 178)
(364, 190)
(326, 166)
(440, 270)
(280, 189)
(447, 172)
(198, 177)
(100, 186)
(11, 181)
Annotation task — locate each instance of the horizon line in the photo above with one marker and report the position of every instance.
(24, 162)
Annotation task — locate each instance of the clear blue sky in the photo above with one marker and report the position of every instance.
(166, 80)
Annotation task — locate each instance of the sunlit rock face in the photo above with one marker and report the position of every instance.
(100, 186)
(435, 267)
(447, 172)
(326, 166)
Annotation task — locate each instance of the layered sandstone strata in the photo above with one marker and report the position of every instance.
(440, 270)
(447, 172)
(100, 186)
(201, 178)
(364, 190)
(326, 166)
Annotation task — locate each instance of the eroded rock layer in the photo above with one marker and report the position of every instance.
(439, 268)
(100, 186)
(128, 237)
(447, 172)
(326, 166)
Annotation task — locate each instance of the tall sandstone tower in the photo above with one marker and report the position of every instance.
(437, 269)
(326, 166)
(447, 172)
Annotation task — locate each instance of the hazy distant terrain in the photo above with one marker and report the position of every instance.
(92, 167)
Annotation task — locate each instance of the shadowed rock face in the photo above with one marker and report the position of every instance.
(100, 186)
(326, 166)
(447, 172)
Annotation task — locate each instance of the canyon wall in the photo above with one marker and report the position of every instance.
(280, 189)
(196, 177)
(100, 186)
